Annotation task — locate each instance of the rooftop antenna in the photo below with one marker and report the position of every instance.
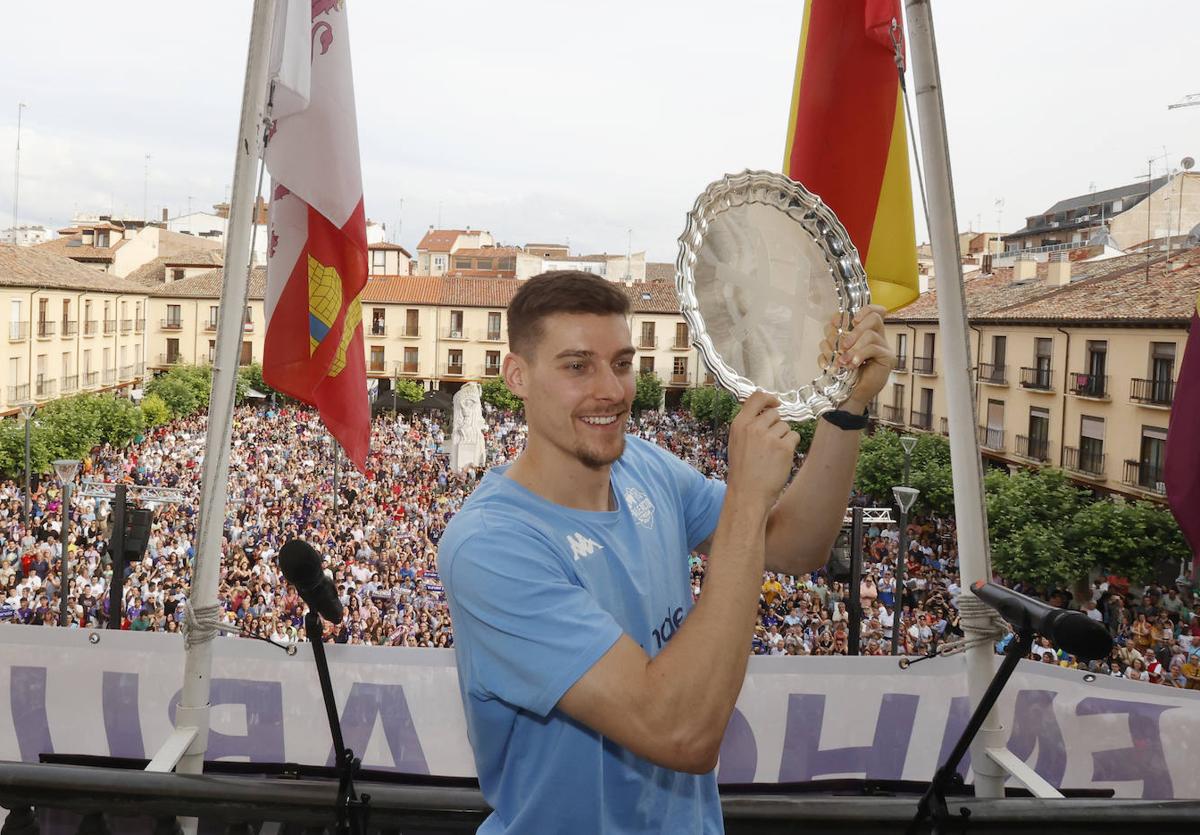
(17, 175)
(999, 204)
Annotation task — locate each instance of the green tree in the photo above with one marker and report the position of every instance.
(251, 377)
(176, 393)
(880, 465)
(155, 410)
(119, 421)
(409, 390)
(700, 402)
(725, 406)
(495, 391)
(648, 394)
(805, 429)
(12, 449)
(1029, 516)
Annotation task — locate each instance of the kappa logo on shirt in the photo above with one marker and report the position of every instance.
(582, 546)
(640, 506)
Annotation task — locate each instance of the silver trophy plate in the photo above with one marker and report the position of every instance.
(769, 283)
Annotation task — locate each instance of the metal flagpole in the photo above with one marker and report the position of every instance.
(189, 742)
(966, 465)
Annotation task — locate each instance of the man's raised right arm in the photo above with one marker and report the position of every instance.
(673, 709)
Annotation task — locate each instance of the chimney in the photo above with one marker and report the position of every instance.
(164, 214)
(1059, 272)
(1025, 268)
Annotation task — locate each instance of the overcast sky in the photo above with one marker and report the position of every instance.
(550, 121)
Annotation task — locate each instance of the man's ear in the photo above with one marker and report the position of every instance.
(515, 371)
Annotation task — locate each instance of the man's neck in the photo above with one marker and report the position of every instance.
(561, 478)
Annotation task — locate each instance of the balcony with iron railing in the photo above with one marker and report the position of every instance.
(678, 379)
(1156, 392)
(1094, 386)
(1083, 461)
(70, 327)
(453, 369)
(901, 362)
(1035, 449)
(891, 414)
(126, 325)
(91, 327)
(454, 333)
(493, 336)
(109, 376)
(139, 325)
(210, 326)
(991, 438)
(1037, 379)
(18, 331)
(139, 369)
(992, 374)
(645, 341)
(410, 332)
(170, 324)
(922, 420)
(110, 326)
(70, 383)
(378, 328)
(19, 393)
(407, 367)
(376, 366)
(170, 358)
(44, 387)
(127, 372)
(46, 328)
(923, 365)
(681, 345)
(1145, 476)
(491, 370)
(91, 378)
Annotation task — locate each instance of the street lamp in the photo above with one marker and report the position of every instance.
(905, 498)
(909, 443)
(27, 410)
(66, 470)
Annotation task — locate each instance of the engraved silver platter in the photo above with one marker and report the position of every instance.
(769, 282)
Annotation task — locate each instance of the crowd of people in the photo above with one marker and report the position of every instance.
(380, 536)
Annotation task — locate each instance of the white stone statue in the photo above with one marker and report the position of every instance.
(467, 448)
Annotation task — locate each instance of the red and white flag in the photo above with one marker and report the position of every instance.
(317, 252)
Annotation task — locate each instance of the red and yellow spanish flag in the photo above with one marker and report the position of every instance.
(1183, 441)
(846, 135)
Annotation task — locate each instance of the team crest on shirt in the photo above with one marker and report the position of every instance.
(640, 506)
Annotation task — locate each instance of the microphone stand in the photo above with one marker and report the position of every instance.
(352, 811)
(933, 803)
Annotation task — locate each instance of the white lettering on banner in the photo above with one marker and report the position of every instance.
(582, 546)
(797, 718)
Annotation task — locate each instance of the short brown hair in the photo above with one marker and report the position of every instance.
(560, 291)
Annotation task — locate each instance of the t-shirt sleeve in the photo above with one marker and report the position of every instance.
(528, 630)
(701, 497)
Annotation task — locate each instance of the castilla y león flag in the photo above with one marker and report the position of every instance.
(317, 252)
(846, 135)
(1182, 470)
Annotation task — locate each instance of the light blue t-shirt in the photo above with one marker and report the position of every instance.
(538, 593)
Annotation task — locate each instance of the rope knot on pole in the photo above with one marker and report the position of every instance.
(200, 624)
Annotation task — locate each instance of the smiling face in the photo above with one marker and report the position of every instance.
(578, 386)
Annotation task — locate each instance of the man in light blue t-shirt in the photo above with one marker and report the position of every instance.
(596, 693)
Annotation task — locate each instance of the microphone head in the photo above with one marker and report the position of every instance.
(300, 564)
(1081, 636)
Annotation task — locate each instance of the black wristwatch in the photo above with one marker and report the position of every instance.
(847, 420)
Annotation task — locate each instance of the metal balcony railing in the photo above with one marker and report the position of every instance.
(922, 420)
(1039, 379)
(679, 379)
(1145, 476)
(127, 372)
(70, 327)
(408, 367)
(996, 375)
(1089, 385)
(44, 387)
(90, 327)
(1083, 461)
(110, 376)
(454, 369)
(139, 325)
(210, 326)
(902, 362)
(493, 336)
(70, 383)
(171, 324)
(645, 341)
(1157, 392)
(1035, 449)
(410, 333)
(18, 394)
(126, 325)
(891, 414)
(454, 333)
(139, 369)
(376, 366)
(992, 439)
(491, 370)
(681, 344)
(923, 365)
(46, 328)
(91, 378)
(377, 329)
(169, 358)
(110, 326)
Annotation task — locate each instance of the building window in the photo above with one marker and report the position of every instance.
(456, 324)
(679, 370)
(645, 365)
(1037, 443)
(1091, 444)
(483, 263)
(1152, 459)
(647, 340)
(411, 322)
(174, 316)
(247, 357)
(901, 351)
(1162, 371)
(213, 315)
(462, 263)
(493, 326)
(172, 356)
(377, 361)
(681, 335)
(410, 360)
(378, 262)
(178, 274)
(454, 362)
(491, 363)
(378, 321)
(439, 263)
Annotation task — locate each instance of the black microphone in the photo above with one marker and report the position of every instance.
(301, 565)
(1073, 632)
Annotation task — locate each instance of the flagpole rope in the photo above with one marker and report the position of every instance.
(262, 167)
(898, 57)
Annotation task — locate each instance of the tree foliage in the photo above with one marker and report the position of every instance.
(1029, 517)
(495, 391)
(648, 394)
(412, 391)
(155, 410)
(185, 389)
(251, 377)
